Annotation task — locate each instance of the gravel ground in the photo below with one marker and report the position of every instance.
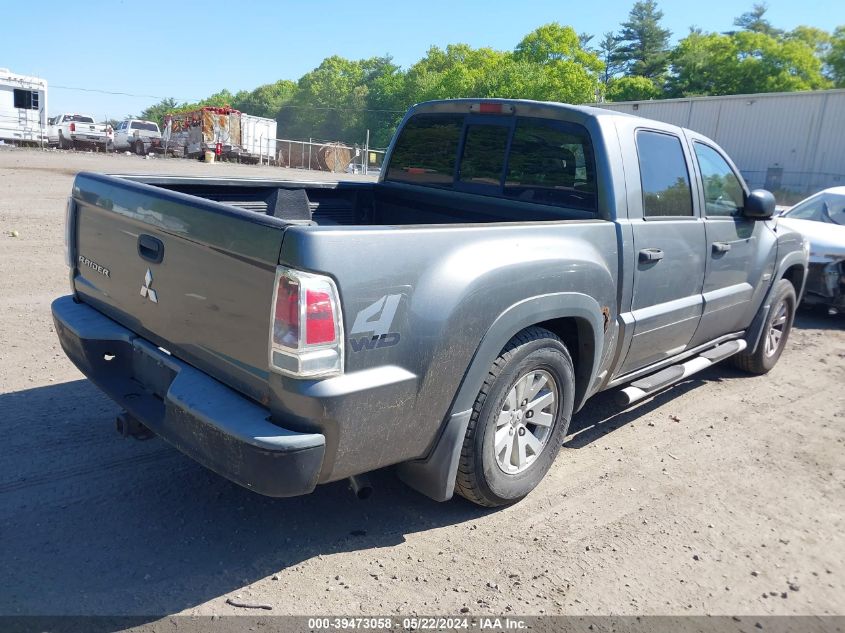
(724, 495)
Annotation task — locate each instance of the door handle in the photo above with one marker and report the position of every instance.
(651, 255)
(721, 247)
(150, 248)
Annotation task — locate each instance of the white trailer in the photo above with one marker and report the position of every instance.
(258, 137)
(23, 108)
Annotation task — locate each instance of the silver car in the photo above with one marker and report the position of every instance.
(821, 219)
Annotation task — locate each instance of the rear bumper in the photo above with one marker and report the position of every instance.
(88, 138)
(203, 418)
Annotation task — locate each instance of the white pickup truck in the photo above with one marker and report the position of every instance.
(138, 136)
(68, 131)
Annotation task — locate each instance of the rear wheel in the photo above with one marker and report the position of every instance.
(63, 144)
(139, 148)
(518, 421)
(775, 332)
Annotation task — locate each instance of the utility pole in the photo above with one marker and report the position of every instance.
(367, 154)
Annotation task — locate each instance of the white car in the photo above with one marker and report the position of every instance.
(137, 136)
(821, 219)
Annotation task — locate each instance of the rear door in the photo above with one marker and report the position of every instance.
(191, 275)
(669, 247)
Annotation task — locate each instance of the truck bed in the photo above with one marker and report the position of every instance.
(359, 203)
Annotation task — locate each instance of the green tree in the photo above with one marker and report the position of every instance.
(608, 53)
(703, 64)
(555, 43)
(815, 38)
(157, 111)
(744, 62)
(584, 40)
(835, 59)
(755, 21)
(632, 89)
(266, 100)
(643, 42)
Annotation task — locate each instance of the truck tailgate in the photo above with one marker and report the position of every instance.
(207, 301)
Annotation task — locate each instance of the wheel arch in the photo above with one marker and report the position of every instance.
(793, 268)
(796, 274)
(574, 317)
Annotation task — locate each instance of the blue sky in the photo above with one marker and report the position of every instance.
(189, 50)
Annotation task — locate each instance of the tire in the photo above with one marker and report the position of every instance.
(771, 344)
(139, 148)
(496, 478)
(62, 143)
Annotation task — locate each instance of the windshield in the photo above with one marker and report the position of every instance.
(78, 118)
(825, 207)
(144, 125)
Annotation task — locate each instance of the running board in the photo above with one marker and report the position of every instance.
(644, 387)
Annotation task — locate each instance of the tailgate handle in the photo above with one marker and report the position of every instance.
(150, 248)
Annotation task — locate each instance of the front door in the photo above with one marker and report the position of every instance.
(733, 273)
(669, 248)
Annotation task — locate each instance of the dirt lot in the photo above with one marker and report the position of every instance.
(725, 495)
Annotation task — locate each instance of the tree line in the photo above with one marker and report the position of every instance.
(342, 98)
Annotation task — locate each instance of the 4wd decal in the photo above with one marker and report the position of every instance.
(376, 319)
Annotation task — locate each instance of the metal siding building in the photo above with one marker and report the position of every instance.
(789, 140)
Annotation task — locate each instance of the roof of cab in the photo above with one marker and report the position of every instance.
(584, 109)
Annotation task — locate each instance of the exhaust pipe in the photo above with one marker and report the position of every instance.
(128, 426)
(361, 486)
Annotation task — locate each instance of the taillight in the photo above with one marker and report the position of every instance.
(72, 127)
(306, 337)
(319, 318)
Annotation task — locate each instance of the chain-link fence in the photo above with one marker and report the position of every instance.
(319, 155)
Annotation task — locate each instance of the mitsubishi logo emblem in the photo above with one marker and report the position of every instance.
(146, 290)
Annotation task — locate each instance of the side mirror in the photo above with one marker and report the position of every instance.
(759, 205)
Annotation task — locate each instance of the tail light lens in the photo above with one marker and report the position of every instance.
(306, 336)
(72, 127)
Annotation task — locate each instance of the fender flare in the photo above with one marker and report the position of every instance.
(755, 330)
(434, 475)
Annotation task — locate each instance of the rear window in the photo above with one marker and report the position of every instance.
(484, 154)
(552, 162)
(143, 125)
(78, 118)
(426, 151)
(542, 161)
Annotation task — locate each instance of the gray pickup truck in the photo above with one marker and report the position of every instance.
(513, 259)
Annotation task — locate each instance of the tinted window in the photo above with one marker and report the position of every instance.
(26, 99)
(551, 163)
(425, 151)
(663, 172)
(78, 118)
(484, 154)
(143, 125)
(723, 194)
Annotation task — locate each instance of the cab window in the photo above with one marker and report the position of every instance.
(664, 175)
(723, 194)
